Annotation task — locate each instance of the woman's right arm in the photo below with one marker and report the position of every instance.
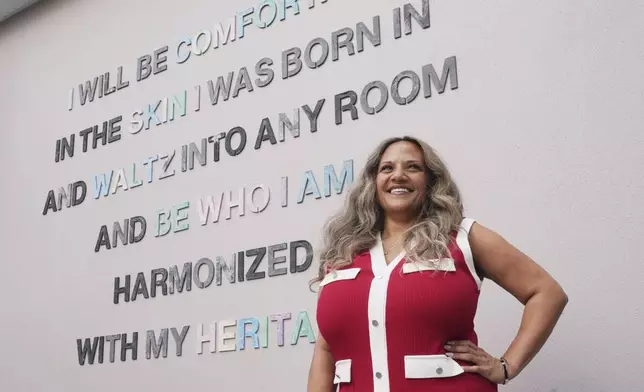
(322, 368)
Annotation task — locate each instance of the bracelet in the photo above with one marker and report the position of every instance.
(504, 365)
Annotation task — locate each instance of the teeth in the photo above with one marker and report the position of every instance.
(399, 191)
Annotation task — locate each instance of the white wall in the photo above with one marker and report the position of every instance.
(544, 136)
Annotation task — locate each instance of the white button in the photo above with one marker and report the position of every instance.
(378, 277)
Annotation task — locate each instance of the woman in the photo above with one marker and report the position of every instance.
(400, 277)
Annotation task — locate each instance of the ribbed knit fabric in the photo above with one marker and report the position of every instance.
(422, 311)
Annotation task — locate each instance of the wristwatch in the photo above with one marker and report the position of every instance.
(504, 365)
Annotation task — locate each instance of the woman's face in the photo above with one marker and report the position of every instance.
(402, 179)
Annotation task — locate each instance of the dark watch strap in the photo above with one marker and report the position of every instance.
(504, 364)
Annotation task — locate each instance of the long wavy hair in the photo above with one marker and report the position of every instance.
(354, 229)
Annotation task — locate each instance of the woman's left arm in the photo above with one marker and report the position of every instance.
(543, 297)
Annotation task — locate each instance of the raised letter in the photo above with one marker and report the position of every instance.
(309, 48)
(111, 339)
(272, 13)
(159, 60)
(183, 58)
(409, 11)
(120, 232)
(134, 237)
(103, 239)
(50, 203)
(346, 43)
(129, 346)
(143, 68)
(266, 197)
(303, 328)
(262, 68)
(284, 191)
(265, 133)
(252, 333)
(152, 347)
(373, 37)
(272, 260)
(279, 318)
(222, 35)
(243, 82)
(350, 106)
(119, 181)
(211, 273)
(395, 87)
(163, 222)
(291, 57)
(201, 49)
(239, 203)
(242, 22)
(252, 273)
(223, 267)
(309, 187)
(180, 281)
(429, 73)
(224, 336)
(220, 88)
(294, 267)
(179, 338)
(180, 216)
(204, 212)
(140, 287)
(285, 122)
(118, 290)
(364, 97)
(209, 337)
(102, 183)
(156, 282)
(289, 4)
(331, 177)
(242, 142)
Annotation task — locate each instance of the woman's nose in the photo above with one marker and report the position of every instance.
(398, 174)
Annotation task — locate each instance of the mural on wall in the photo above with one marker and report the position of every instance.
(259, 261)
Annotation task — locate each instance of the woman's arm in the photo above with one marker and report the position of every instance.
(543, 297)
(322, 368)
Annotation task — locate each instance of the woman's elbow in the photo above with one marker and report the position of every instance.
(558, 295)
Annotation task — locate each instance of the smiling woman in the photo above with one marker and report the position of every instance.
(388, 321)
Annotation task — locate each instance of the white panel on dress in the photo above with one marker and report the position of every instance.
(463, 242)
(377, 306)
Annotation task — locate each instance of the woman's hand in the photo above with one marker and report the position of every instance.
(482, 362)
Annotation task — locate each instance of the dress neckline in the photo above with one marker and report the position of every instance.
(379, 262)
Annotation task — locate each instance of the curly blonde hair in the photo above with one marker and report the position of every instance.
(354, 229)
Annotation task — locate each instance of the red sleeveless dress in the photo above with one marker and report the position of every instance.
(386, 325)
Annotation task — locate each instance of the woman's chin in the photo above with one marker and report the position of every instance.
(401, 207)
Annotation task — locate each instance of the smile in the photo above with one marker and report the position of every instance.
(400, 191)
